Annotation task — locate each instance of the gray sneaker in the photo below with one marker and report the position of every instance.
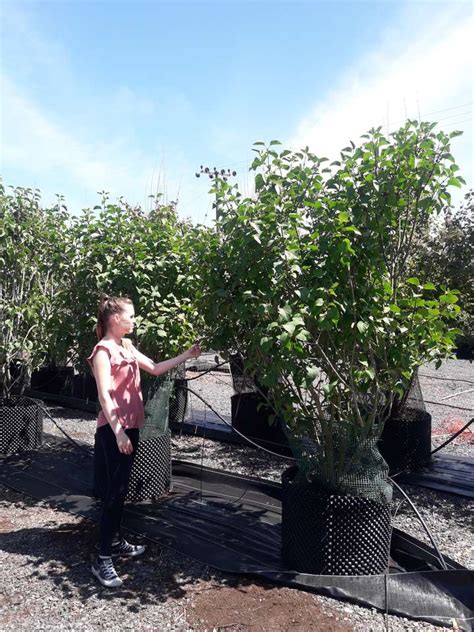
(103, 569)
(124, 549)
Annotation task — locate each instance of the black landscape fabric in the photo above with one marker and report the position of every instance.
(232, 523)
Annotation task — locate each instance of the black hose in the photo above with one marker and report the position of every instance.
(444, 379)
(456, 434)
(213, 368)
(428, 532)
(236, 431)
(48, 414)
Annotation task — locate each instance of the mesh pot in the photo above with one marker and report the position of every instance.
(21, 425)
(156, 400)
(405, 442)
(241, 382)
(328, 534)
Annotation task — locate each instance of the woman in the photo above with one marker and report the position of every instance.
(116, 365)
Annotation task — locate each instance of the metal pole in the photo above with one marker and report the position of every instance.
(215, 174)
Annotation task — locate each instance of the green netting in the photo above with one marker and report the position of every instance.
(343, 464)
(156, 397)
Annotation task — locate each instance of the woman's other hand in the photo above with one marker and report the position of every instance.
(194, 351)
(123, 442)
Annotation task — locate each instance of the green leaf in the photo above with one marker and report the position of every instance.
(413, 281)
(284, 313)
(449, 298)
(290, 328)
(362, 327)
(284, 337)
(303, 335)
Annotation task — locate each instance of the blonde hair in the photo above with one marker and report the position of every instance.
(108, 306)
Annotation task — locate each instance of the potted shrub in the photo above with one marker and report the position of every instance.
(312, 272)
(31, 258)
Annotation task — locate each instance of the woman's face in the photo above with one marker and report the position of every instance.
(126, 319)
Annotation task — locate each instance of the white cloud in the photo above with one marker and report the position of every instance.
(90, 146)
(60, 161)
(429, 76)
(37, 152)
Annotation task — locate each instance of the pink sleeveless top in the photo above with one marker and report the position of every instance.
(125, 391)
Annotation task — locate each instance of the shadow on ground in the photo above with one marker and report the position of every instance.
(61, 553)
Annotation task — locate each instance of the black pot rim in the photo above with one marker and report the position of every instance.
(22, 401)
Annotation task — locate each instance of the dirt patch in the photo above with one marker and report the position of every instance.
(6, 525)
(256, 608)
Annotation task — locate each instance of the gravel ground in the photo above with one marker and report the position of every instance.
(44, 554)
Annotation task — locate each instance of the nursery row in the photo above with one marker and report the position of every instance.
(317, 285)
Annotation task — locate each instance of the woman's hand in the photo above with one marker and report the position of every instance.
(194, 351)
(123, 442)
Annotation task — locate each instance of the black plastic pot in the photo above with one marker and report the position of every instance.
(328, 534)
(465, 348)
(21, 425)
(52, 379)
(251, 417)
(84, 387)
(405, 443)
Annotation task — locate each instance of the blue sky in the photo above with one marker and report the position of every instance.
(132, 97)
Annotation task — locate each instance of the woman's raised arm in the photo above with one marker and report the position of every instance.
(158, 368)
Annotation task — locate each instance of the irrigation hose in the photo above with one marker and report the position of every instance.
(48, 414)
(213, 368)
(425, 527)
(456, 434)
(259, 447)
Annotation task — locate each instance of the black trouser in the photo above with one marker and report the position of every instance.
(117, 467)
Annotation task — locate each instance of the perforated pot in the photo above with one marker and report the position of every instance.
(150, 477)
(21, 425)
(328, 534)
